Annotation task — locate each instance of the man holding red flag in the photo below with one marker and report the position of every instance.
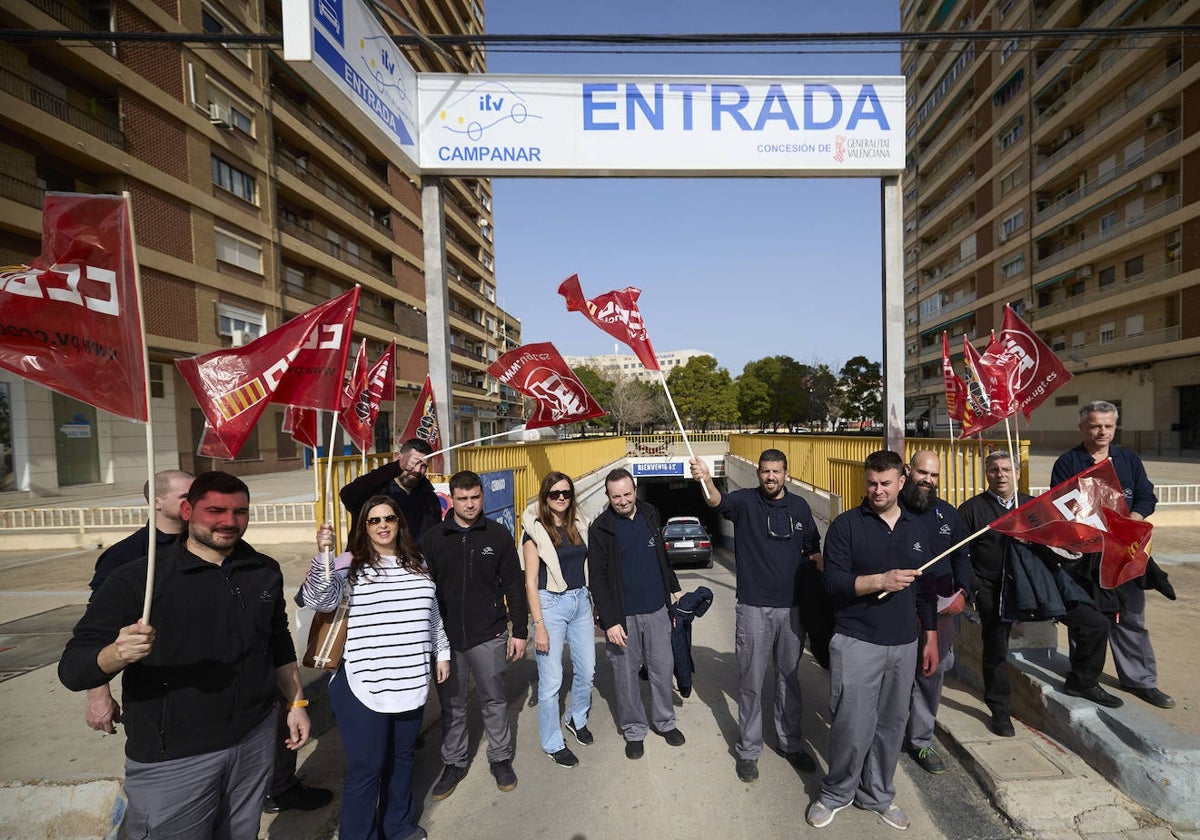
(1133, 655)
(404, 480)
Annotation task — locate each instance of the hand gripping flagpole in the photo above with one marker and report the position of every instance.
(686, 442)
(329, 489)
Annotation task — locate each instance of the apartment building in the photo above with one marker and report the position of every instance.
(617, 366)
(1058, 175)
(252, 201)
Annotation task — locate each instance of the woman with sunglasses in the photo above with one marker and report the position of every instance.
(378, 693)
(554, 551)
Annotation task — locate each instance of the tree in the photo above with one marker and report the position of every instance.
(754, 400)
(823, 394)
(703, 393)
(862, 389)
(787, 394)
(635, 404)
(601, 390)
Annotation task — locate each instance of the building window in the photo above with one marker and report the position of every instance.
(285, 444)
(1010, 47)
(1011, 133)
(231, 318)
(1075, 289)
(214, 24)
(1012, 180)
(224, 109)
(158, 387)
(1108, 333)
(1078, 339)
(931, 305)
(1018, 306)
(1060, 402)
(1012, 268)
(234, 180)
(1134, 267)
(1009, 89)
(236, 250)
(1012, 224)
(1107, 276)
(1058, 343)
(1107, 222)
(1135, 325)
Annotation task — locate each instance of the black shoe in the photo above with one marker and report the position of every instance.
(1096, 694)
(564, 758)
(673, 737)
(747, 769)
(582, 734)
(298, 798)
(1151, 695)
(634, 749)
(506, 779)
(801, 760)
(686, 691)
(1002, 725)
(928, 759)
(452, 774)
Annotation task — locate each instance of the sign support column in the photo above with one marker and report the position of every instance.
(437, 308)
(893, 313)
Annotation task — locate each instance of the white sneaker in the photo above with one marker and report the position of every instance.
(820, 815)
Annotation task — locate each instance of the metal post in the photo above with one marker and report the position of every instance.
(893, 313)
(437, 308)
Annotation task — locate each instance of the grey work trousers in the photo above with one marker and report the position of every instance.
(869, 690)
(1133, 655)
(927, 691)
(761, 632)
(484, 662)
(648, 638)
(213, 796)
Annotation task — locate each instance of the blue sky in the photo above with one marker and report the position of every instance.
(741, 268)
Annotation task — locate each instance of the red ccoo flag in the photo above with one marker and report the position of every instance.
(423, 423)
(1038, 373)
(956, 389)
(301, 424)
(314, 379)
(73, 316)
(234, 386)
(378, 385)
(616, 313)
(537, 370)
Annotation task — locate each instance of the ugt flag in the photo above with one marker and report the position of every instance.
(977, 401)
(378, 384)
(234, 386)
(72, 319)
(423, 423)
(1038, 373)
(538, 371)
(616, 313)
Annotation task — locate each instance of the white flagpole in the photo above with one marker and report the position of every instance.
(465, 443)
(686, 442)
(151, 553)
(329, 488)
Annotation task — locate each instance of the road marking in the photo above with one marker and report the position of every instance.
(44, 559)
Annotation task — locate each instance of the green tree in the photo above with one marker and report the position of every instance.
(787, 395)
(823, 395)
(703, 393)
(601, 390)
(862, 389)
(636, 404)
(754, 400)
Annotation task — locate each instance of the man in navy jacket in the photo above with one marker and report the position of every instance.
(1133, 655)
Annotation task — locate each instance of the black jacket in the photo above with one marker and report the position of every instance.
(1037, 586)
(134, 547)
(420, 506)
(221, 633)
(986, 550)
(604, 565)
(476, 572)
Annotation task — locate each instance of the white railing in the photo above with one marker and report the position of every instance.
(75, 518)
(1168, 494)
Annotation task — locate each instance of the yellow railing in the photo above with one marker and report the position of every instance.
(528, 461)
(835, 463)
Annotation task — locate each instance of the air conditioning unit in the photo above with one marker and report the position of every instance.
(218, 115)
(1157, 181)
(1156, 119)
(240, 338)
(1084, 271)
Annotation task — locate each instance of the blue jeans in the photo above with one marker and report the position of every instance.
(568, 618)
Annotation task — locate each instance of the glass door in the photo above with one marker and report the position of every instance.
(76, 446)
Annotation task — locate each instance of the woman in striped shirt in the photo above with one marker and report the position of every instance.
(378, 693)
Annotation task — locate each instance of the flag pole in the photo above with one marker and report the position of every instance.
(945, 553)
(151, 553)
(329, 488)
(465, 443)
(686, 442)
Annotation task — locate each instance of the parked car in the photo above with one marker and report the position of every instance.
(684, 520)
(687, 543)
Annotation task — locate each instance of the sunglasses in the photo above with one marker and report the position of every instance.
(559, 494)
(390, 519)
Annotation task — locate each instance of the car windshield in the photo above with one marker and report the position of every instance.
(683, 532)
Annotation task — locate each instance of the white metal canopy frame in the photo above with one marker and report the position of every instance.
(441, 124)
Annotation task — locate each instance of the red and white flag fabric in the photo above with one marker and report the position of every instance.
(538, 371)
(355, 385)
(211, 445)
(423, 424)
(314, 378)
(999, 368)
(977, 401)
(301, 424)
(617, 314)
(72, 319)
(1086, 513)
(378, 385)
(956, 389)
(1038, 372)
(233, 387)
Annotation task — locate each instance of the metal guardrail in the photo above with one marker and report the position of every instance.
(83, 519)
(1168, 494)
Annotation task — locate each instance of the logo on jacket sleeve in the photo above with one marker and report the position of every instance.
(487, 551)
(917, 547)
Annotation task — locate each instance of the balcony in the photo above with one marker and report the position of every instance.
(1088, 242)
(22, 192)
(58, 108)
(338, 251)
(948, 308)
(1150, 338)
(954, 192)
(331, 189)
(335, 139)
(1069, 45)
(1146, 278)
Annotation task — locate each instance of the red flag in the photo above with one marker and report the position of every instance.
(999, 367)
(315, 376)
(301, 424)
(1126, 549)
(211, 445)
(540, 372)
(378, 384)
(1038, 373)
(616, 313)
(355, 385)
(234, 386)
(72, 319)
(423, 423)
(956, 389)
(977, 403)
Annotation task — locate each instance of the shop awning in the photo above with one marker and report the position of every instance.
(1058, 278)
(970, 313)
(919, 411)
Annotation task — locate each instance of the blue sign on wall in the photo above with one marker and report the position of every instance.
(499, 503)
(658, 468)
